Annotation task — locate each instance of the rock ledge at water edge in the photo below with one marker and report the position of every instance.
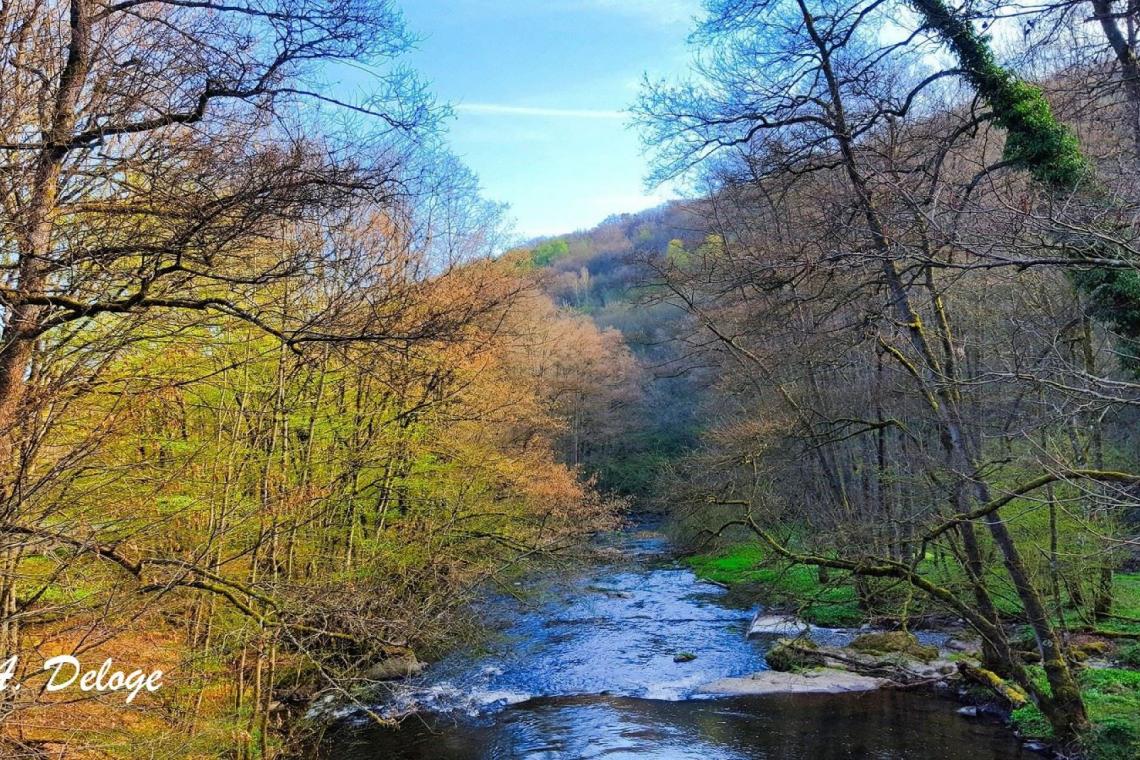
(816, 681)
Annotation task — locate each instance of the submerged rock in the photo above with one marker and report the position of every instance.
(684, 657)
(816, 681)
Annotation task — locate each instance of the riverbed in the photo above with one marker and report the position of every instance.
(590, 663)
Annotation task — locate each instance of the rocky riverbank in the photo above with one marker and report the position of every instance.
(872, 660)
(806, 659)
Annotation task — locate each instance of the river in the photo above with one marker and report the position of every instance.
(581, 665)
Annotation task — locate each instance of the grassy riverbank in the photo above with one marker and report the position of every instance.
(1112, 698)
(1111, 695)
(746, 569)
(833, 601)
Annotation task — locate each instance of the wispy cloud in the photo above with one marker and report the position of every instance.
(496, 109)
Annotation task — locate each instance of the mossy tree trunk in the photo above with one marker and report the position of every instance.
(1039, 141)
(1039, 144)
(1036, 142)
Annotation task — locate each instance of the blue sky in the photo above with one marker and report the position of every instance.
(539, 88)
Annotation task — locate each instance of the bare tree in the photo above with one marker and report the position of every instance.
(858, 163)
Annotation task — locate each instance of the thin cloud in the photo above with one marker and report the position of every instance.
(496, 109)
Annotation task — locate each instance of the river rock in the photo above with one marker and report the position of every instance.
(817, 681)
(777, 625)
(899, 667)
(891, 642)
(957, 644)
(786, 655)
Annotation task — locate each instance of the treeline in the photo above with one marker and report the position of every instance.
(917, 293)
(268, 409)
(630, 436)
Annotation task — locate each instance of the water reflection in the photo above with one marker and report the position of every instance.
(878, 725)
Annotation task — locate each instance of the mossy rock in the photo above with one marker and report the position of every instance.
(893, 642)
(786, 655)
(1091, 648)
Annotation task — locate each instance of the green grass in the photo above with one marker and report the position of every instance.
(748, 568)
(744, 566)
(1112, 699)
(1125, 603)
(736, 565)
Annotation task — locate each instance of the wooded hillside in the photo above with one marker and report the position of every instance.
(918, 291)
(269, 411)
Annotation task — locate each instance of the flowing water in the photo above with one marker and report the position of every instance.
(582, 666)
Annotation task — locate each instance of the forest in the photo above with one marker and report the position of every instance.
(269, 409)
(918, 297)
(282, 394)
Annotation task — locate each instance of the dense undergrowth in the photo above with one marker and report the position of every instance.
(1112, 698)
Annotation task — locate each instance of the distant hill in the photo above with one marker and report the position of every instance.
(592, 268)
(603, 273)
